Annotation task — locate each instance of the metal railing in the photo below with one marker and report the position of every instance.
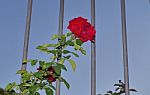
(27, 33)
(93, 52)
(60, 32)
(93, 44)
(125, 49)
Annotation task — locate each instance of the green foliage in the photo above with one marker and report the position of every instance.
(73, 64)
(65, 82)
(10, 86)
(4, 92)
(48, 91)
(79, 42)
(54, 37)
(82, 51)
(32, 82)
(120, 89)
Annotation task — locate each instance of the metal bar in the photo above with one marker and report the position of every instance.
(60, 32)
(26, 37)
(125, 50)
(61, 17)
(93, 52)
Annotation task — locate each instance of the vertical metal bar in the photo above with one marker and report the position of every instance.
(125, 50)
(61, 17)
(26, 37)
(93, 52)
(60, 32)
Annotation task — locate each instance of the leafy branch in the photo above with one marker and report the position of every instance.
(120, 89)
(48, 72)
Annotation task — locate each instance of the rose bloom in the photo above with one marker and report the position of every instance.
(82, 29)
(51, 78)
(51, 71)
(76, 25)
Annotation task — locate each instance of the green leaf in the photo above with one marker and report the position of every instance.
(49, 91)
(21, 71)
(79, 42)
(43, 49)
(118, 88)
(47, 65)
(70, 43)
(66, 83)
(34, 88)
(119, 85)
(57, 70)
(82, 51)
(77, 47)
(37, 93)
(25, 91)
(63, 40)
(62, 66)
(10, 86)
(55, 51)
(68, 34)
(110, 92)
(75, 54)
(49, 45)
(57, 45)
(66, 51)
(26, 76)
(73, 64)
(17, 87)
(53, 58)
(133, 90)
(41, 63)
(53, 87)
(54, 37)
(61, 61)
(38, 75)
(33, 62)
(67, 57)
(27, 84)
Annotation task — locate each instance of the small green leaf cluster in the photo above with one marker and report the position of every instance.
(33, 82)
(4, 92)
(120, 89)
(60, 50)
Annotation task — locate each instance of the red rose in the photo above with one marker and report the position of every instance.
(83, 37)
(91, 33)
(86, 26)
(51, 70)
(50, 75)
(76, 25)
(82, 29)
(51, 78)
